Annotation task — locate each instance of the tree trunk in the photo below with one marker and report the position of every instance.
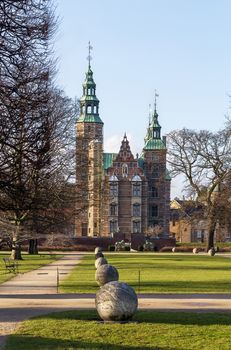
(211, 230)
(33, 246)
(16, 250)
(16, 246)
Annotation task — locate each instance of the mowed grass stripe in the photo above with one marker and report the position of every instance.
(149, 330)
(159, 273)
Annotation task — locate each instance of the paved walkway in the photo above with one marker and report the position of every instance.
(42, 280)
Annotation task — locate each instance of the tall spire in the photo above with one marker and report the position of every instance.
(153, 137)
(89, 57)
(89, 103)
(156, 95)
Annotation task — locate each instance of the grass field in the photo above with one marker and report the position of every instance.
(150, 330)
(29, 262)
(159, 273)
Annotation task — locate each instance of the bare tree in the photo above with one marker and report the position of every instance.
(36, 119)
(204, 159)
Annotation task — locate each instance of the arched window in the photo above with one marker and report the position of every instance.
(95, 109)
(89, 109)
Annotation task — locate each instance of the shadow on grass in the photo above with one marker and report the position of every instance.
(21, 342)
(156, 317)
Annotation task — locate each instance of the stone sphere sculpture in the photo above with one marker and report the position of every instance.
(98, 249)
(195, 250)
(211, 252)
(100, 261)
(116, 301)
(99, 255)
(106, 273)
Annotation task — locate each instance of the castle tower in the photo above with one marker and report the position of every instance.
(89, 152)
(154, 165)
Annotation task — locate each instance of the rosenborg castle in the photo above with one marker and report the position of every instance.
(118, 192)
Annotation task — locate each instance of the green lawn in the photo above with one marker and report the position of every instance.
(29, 262)
(159, 273)
(150, 330)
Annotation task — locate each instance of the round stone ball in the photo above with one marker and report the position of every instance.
(106, 273)
(116, 301)
(211, 252)
(98, 249)
(195, 250)
(99, 255)
(100, 261)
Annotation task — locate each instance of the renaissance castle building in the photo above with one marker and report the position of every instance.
(118, 193)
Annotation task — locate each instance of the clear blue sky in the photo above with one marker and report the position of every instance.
(181, 48)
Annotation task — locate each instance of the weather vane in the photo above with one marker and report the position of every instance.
(89, 57)
(156, 95)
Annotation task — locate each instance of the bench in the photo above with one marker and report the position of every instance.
(11, 265)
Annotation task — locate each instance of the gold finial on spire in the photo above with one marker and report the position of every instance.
(156, 95)
(89, 57)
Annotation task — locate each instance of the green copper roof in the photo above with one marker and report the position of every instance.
(154, 144)
(89, 118)
(108, 159)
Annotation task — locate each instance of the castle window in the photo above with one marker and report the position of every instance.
(155, 157)
(136, 190)
(113, 226)
(113, 189)
(136, 209)
(95, 109)
(124, 170)
(84, 229)
(154, 192)
(155, 172)
(113, 209)
(136, 226)
(154, 211)
(88, 109)
(88, 91)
